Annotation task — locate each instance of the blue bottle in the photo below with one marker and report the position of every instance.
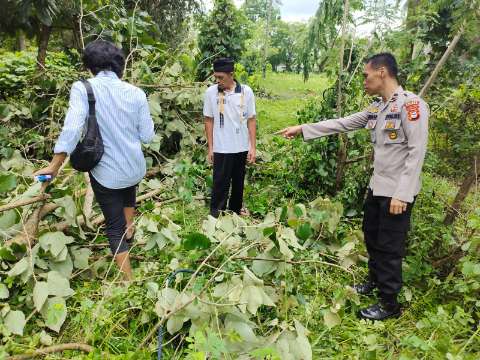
(43, 178)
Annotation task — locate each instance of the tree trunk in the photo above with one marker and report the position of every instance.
(442, 61)
(267, 40)
(21, 42)
(411, 24)
(42, 40)
(463, 191)
(342, 150)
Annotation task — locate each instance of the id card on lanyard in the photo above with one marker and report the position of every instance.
(221, 108)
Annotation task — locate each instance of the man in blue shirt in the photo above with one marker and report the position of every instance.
(124, 120)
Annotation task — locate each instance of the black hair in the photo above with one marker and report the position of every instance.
(103, 55)
(384, 59)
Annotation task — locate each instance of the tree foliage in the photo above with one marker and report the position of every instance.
(222, 34)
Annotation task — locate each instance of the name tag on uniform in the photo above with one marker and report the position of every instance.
(371, 117)
(393, 116)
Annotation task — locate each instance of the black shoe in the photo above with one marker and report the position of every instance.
(365, 288)
(380, 312)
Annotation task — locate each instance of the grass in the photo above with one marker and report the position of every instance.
(287, 94)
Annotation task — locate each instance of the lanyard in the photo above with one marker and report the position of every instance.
(221, 107)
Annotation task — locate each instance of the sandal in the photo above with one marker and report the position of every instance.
(244, 212)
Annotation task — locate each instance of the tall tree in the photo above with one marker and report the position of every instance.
(222, 34)
(322, 33)
(171, 17)
(261, 9)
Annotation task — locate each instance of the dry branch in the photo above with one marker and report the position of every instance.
(88, 203)
(442, 61)
(53, 349)
(24, 202)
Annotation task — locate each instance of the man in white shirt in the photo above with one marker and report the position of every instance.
(230, 127)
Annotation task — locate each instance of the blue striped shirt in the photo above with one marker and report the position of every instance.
(124, 119)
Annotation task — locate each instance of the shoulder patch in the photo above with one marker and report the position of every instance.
(413, 109)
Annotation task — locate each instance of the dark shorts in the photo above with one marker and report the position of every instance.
(112, 202)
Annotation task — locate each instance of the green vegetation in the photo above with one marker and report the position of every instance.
(275, 285)
(287, 93)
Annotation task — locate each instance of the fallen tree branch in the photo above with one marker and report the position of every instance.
(24, 202)
(53, 349)
(30, 229)
(167, 315)
(300, 262)
(88, 203)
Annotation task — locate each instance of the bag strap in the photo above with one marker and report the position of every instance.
(91, 97)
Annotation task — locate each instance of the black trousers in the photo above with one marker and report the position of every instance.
(112, 202)
(385, 237)
(228, 169)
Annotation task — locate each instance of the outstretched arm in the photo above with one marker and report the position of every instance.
(327, 127)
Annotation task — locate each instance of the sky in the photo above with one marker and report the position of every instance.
(302, 10)
(291, 10)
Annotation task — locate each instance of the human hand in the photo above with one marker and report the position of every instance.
(49, 170)
(290, 132)
(210, 156)
(252, 155)
(397, 206)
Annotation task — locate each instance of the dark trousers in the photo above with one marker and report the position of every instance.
(385, 237)
(228, 169)
(112, 202)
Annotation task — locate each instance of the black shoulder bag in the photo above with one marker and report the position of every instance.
(89, 150)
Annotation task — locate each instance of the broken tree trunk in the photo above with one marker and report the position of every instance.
(463, 191)
(342, 150)
(43, 38)
(442, 62)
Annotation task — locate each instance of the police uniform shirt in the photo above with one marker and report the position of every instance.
(399, 133)
(231, 134)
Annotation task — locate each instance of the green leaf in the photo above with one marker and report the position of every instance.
(81, 257)
(58, 285)
(19, 268)
(174, 324)
(226, 224)
(45, 339)
(54, 313)
(68, 209)
(7, 254)
(303, 350)
(331, 319)
(15, 322)
(8, 182)
(54, 242)
(64, 267)
(40, 294)
(196, 241)
(4, 293)
(242, 328)
(8, 219)
(263, 267)
(166, 301)
(304, 231)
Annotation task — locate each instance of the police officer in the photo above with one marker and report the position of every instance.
(398, 124)
(230, 128)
